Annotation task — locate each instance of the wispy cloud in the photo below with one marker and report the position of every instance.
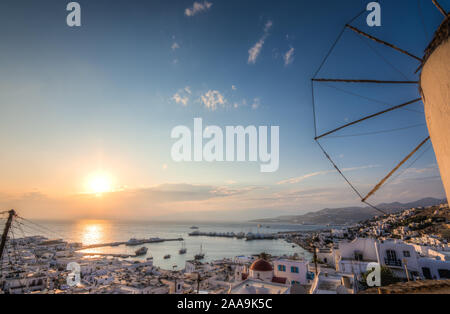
(198, 7)
(320, 173)
(289, 56)
(175, 46)
(180, 99)
(256, 103)
(182, 96)
(268, 26)
(212, 99)
(254, 52)
(410, 174)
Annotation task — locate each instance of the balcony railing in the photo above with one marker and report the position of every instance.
(393, 262)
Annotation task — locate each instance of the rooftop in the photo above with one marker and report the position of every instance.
(261, 265)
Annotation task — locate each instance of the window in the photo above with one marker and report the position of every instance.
(295, 282)
(427, 273)
(391, 255)
(281, 268)
(294, 270)
(406, 254)
(444, 273)
(310, 275)
(358, 256)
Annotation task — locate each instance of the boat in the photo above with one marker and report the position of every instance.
(134, 242)
(167, 256)
(142, 251)
(199, 256)
(194, 228)
(183, 249)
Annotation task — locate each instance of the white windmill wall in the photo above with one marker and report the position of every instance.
(435, 84)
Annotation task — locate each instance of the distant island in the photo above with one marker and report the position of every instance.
(348, 215)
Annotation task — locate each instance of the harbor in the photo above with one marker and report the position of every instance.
(131, 242)
(247, 236)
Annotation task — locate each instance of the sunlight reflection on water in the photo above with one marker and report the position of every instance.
(93, 232)
(104, 231)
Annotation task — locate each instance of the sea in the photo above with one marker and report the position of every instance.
(91, 232)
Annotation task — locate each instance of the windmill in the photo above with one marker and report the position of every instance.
(434, 89)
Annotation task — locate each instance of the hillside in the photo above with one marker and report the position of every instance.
(349, 215)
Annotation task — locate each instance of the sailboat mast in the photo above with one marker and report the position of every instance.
(11, 213)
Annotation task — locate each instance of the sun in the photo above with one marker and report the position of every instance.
(99, 183)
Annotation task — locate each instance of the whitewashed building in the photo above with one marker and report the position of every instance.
(295, 271)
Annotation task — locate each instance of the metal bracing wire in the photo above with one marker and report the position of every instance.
(383, 42)
(393, 179)
(382, 57)
(379, 132)
(422, 20)
(378, 186)
(368, 117)
(365, 81)
(384, 103)
(41, 228)
(336, 42)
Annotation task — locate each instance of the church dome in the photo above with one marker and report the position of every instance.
(261, 265)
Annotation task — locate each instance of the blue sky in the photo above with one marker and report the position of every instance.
(106, 96)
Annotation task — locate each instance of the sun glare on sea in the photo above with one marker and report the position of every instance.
(92, 232)
(99, 183)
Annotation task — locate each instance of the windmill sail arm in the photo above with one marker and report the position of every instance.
(379, 185)
(383, 42)
(363, 81)
(369, 117)
(440, 8)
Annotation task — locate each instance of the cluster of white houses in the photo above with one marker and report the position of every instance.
(341, 268)
(37, 265)
(406, 261)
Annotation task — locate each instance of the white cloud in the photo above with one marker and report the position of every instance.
(175, 46)
(254, 52)
(212, 99)
(182, 96)
(268, 26)
(198, 7)
(319, 173)
(180, 99)
(289, 57)
(256, 103)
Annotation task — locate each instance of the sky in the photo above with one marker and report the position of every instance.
(96, 104)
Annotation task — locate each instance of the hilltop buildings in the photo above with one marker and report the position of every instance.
(400, 243)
